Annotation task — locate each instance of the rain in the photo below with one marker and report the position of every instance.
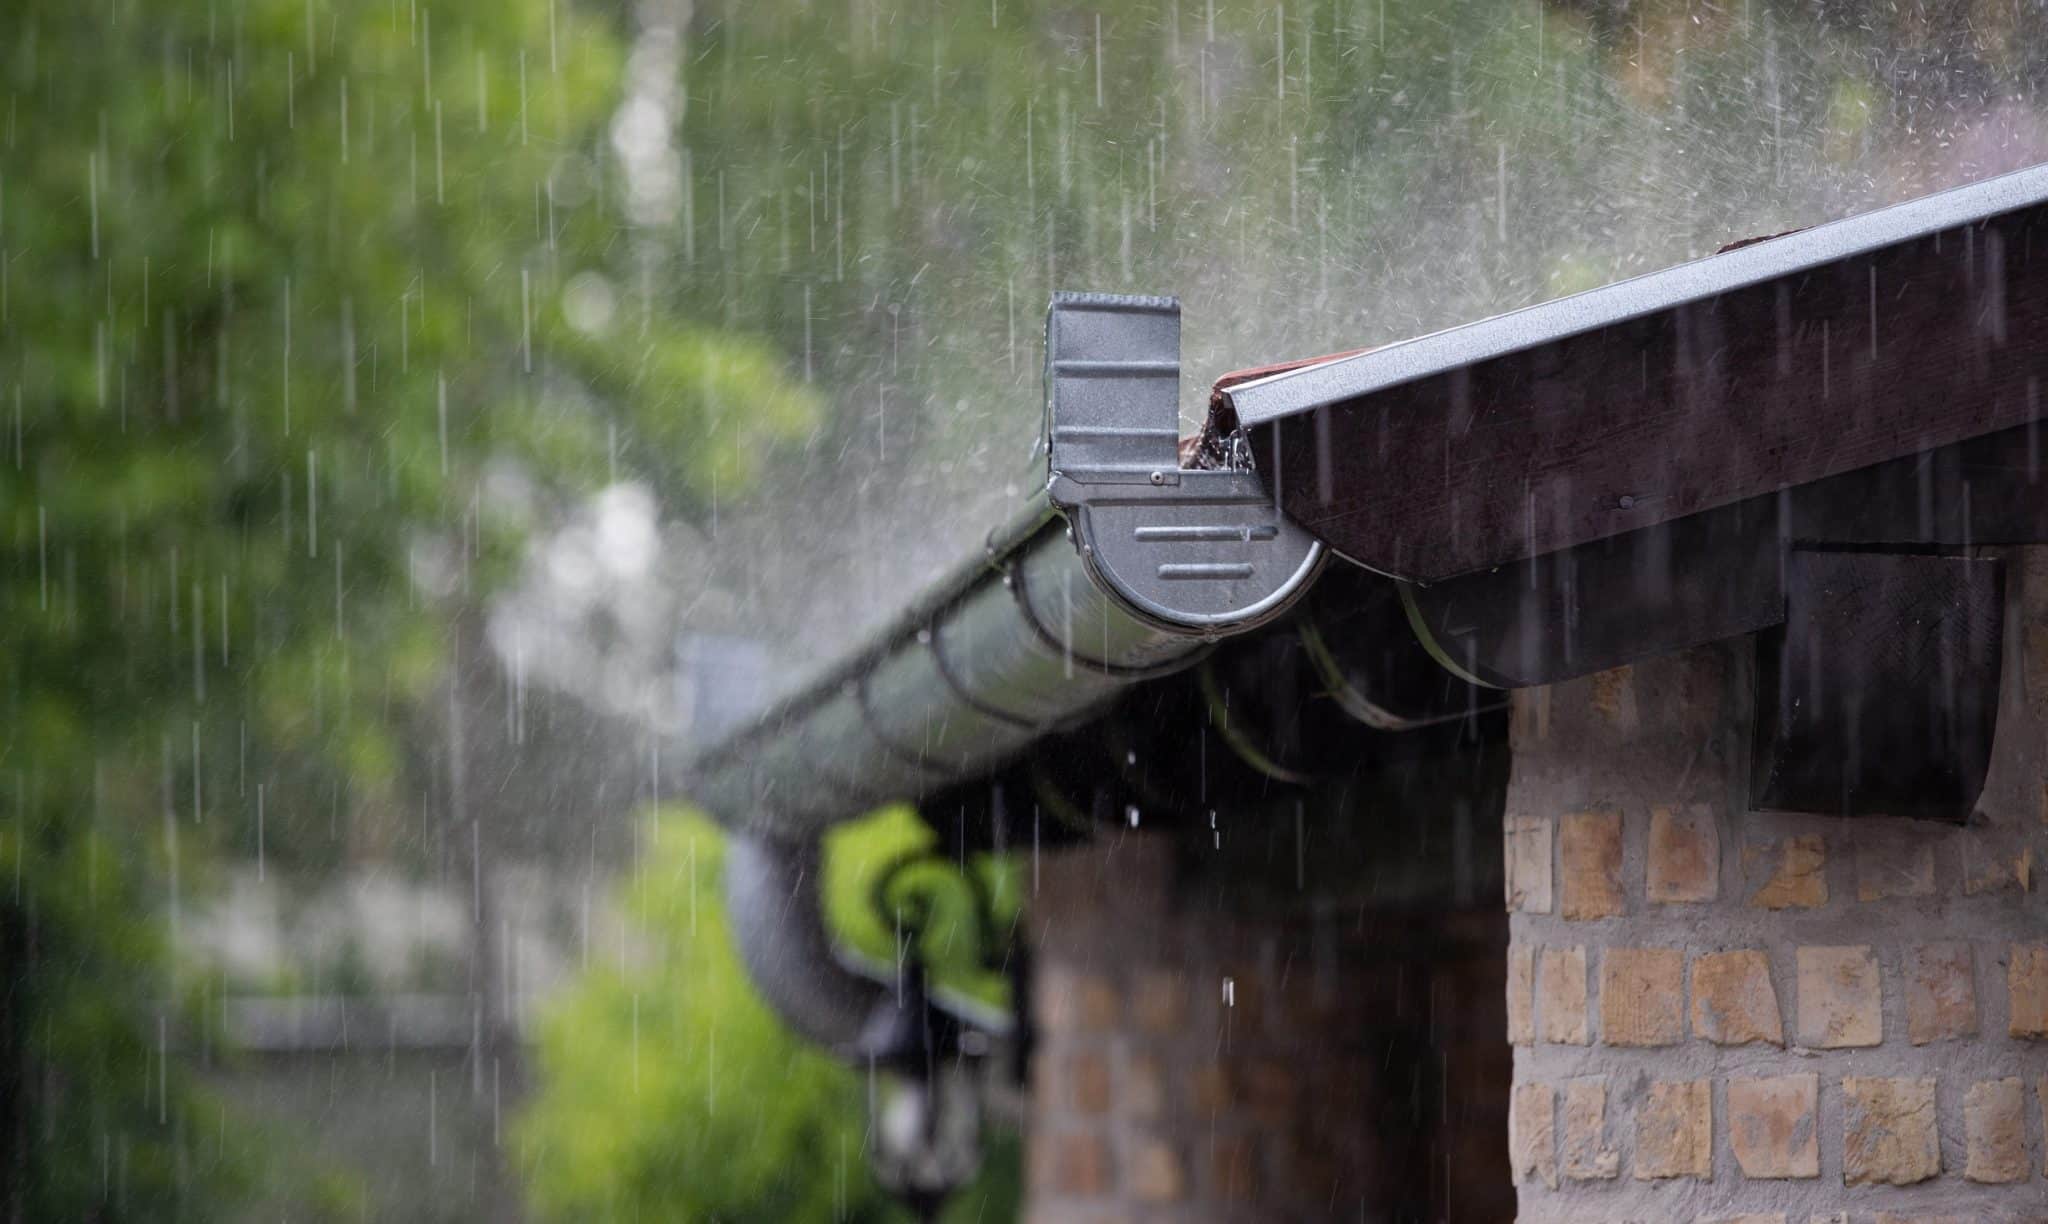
(449, 449)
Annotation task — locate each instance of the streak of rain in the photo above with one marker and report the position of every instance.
(372, 697)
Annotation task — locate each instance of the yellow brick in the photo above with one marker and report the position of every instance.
(1733, 1001)
(2026, 979)
(1642, 996)
(1888, 1132)
(1995, 1127)
(1589, 857)
(1532, 1135)
(1773, 1126)
(1793, 871)
(1684, 855)
(1561, 995)
(1156, 1173)
(1675, 1131)
(1528, 864)
(1586, 1156)
(1894, 866)
(1840, 998)
(1941, 993)
(1521, 995)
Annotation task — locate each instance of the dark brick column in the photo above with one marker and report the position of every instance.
(1203, 1055)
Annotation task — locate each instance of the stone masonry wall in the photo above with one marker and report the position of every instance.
(1721, 1014)
(1201, 1057)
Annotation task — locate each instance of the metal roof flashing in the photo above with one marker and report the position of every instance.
(1770, 365)
(1740, 265)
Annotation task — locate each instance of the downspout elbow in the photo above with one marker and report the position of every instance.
(773, 900)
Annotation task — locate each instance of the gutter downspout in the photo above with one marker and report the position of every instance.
(772, 899)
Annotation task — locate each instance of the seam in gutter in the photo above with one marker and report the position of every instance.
(937, 603)
(1014, 577)
(929, 638)
(919, 760)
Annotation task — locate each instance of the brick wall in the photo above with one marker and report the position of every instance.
(1204, 1056)
(1721, 1014)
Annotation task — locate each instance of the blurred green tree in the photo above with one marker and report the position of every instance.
(283, 283)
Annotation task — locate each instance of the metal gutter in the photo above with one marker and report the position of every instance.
(778, 927)
(1003, 649)
(1123, 568)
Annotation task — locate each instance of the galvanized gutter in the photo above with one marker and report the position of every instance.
(1123, 568)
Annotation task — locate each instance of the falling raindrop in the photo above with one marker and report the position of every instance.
(1098, 61)
(441, 417)
(312, 505)
(525, 320)
(440, 184)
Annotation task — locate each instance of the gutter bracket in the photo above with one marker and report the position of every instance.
(1201, 551)
(1878, 694)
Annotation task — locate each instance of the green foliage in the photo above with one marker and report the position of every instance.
(284, 282)
(884, 887)
(82, 1024)
(669, 1091)
(281, 286)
